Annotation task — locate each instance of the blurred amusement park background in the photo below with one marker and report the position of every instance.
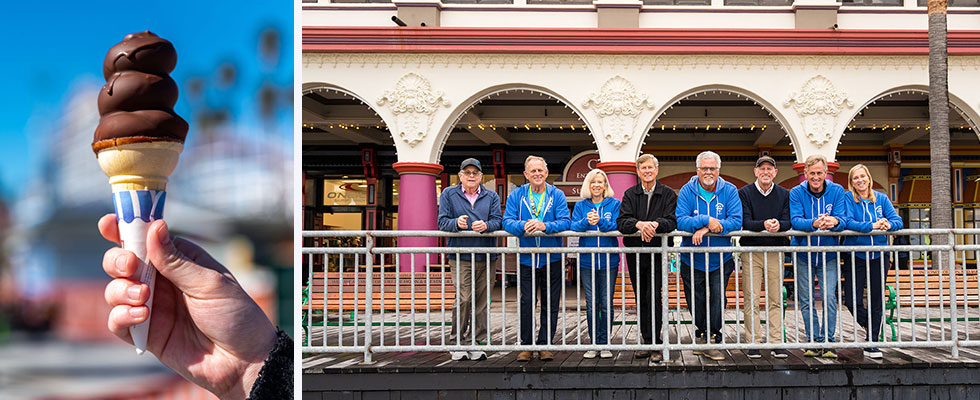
(231, 192)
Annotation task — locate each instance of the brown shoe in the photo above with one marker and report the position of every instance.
(547, 355)
(524, 356)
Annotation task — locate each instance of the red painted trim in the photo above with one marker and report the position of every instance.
(417, 168)
(617, 167)
(628, 41)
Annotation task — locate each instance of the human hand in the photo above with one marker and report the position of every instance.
(698, 235)
(204, 326)
(534, 225)
(830, 222)
(819, 222)
(714, 225)
(593, 217)
(479, 226)
(461, 221)
(772, 225)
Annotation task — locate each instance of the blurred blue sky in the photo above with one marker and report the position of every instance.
(50, 47)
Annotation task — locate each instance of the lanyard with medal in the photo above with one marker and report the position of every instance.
(536, 210)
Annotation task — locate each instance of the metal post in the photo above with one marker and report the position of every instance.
(955, 352)
(368, 324)
(664, 323)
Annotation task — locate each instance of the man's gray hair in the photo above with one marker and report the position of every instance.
(530, 158)
(647, 157)
(707, 154)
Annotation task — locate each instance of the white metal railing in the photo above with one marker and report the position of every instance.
(929, 304)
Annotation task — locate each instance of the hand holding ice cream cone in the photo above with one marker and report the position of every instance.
(138, 141)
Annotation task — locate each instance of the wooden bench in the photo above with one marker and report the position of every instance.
(921, 288)
(346, 294)
(675, 293)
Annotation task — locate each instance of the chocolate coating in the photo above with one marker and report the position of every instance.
(141, 51)
(136, 103)
(132, 91)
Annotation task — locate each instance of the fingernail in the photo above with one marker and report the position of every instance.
(137, 312)
(121, 264)
(164, 234)
(134, 292)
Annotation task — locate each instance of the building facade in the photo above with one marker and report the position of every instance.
(390, 111)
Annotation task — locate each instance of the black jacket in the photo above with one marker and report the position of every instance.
(756, 209)
(662, 205)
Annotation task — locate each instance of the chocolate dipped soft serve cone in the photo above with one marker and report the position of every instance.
(138, 141)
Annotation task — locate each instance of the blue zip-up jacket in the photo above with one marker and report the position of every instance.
(860, 216)
(555, 217)
(804, 208)
(693, 213)
(608, 212)
(453, 204)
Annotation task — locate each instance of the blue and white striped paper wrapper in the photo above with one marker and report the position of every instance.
(135, 210)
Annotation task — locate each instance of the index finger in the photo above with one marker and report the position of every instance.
(109, 228)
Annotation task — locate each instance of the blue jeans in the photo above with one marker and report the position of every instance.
(605, 280)
(707, 308)
(805, 272)
(549, 287)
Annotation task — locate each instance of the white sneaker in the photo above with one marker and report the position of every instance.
(590, 354)
(459, 355)
(605, 354)
(478, 355)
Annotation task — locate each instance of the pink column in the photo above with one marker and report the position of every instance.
(622, 176)
(417, 210)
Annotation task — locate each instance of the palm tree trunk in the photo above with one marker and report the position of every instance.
(942, 210)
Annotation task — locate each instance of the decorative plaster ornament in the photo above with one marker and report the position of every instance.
(818, 104)
(413, 102)
(618, 105)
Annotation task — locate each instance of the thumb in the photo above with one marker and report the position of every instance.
(181, 269)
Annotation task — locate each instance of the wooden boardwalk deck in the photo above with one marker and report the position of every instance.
(401, 331)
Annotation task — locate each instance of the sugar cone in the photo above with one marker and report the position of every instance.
(138, 174)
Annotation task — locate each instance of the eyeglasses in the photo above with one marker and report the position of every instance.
(708, 169)
(470, 173)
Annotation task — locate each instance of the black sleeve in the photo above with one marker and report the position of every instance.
(749, 222)
(275, 379)
(785, 223)
(626, 222)
(668, 222)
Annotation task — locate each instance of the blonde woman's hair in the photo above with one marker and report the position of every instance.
(871, 183)
(586, 192)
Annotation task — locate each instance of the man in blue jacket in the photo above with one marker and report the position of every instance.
(706, 204)
(469, 206)
(817, 205)
(531, 208)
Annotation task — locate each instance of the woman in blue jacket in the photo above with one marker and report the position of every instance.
(867, 210)
(597, 212)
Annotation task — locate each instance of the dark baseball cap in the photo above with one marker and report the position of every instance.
(470, 161)
(765, 159)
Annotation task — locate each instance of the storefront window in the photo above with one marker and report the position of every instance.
(971, 220)
(918, 219)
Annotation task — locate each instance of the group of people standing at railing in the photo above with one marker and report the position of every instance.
(705, 204)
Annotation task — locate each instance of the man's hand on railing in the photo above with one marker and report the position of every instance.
(647, 229)
(698, 235)
(479, 226)
(771, 225)
(461, 221)
(714, 225)
(204, 326)
(534, 225)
